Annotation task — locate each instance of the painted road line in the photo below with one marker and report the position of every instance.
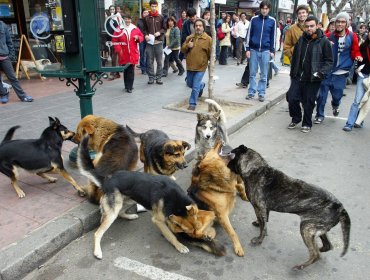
(339, 118)
(148, 271)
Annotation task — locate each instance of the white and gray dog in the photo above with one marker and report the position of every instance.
(209, 128)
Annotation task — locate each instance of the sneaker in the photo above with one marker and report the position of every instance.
(4, 99)
(181, 72)
(261, 98)
(175, 71)
(358, 125)
(151, 81)
(27, 98)
(276, 73)
(347, 128)
(335, 112)
(129, 90)
(318, 120)
(241, 85)
(191, 108)
(248, 97)
(305, 129)
(164, 75)
(292, 125)
(159, 82)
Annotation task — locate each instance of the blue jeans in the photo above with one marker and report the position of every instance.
(260, 59)
(7, 67)
(194, 81)
(334, 83)
(353, 112)
(143, 62)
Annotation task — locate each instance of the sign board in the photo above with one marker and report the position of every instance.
(59, 44)
(220, 2)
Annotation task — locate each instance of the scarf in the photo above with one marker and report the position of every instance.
(155, 14)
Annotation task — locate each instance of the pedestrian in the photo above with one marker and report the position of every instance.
(295, 31)
(126, 43)
(284, 59)
(241, 30)
(206, 16)
(172, 44)
(330, 28)
(362, 33)
(182, 19)
(234, 35)
(143, 61)
(188, 27)
(345, 50)
(312, 60)
(6, 52)
(363, 75)
(197, 48)
(260, 48)
(112, 25)
(154, 36)
(225, 43)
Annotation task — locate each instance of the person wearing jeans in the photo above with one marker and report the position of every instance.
(142, 45)
(260, 46)
(197, 48)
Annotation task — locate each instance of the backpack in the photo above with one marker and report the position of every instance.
(220, 34)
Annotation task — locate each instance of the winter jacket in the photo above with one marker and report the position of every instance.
(126, 46)
(175, 38)
(186, 30)
(6, 44)
(292, 36)
(351, 50)
(153, 25)
(227, 30)
(198, 56)
(261, 34)
(365, 53)
(320, 57)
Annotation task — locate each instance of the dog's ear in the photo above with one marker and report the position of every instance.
(200, 116)
(243, 148)
(51, 121)
(217, 115)
(192, 209)
(186, 145)
(57, 121)
(89, 128)
(168, 149)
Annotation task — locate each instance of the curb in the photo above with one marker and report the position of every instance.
(22, 257)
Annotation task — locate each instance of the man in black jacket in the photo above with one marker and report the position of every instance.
(312, 60)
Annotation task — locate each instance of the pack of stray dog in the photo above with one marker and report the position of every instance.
(219, 174)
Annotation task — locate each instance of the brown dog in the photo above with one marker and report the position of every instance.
(214, 187)
(159, 153)
(115, 147)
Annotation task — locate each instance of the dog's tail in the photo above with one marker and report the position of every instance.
(135, 134)
(85, 164)
(345, 222)
(10, 133)
(218, 107)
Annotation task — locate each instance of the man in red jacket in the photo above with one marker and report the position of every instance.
(125, 44)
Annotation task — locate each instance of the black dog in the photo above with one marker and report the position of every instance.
(36, 155)
(269, 189)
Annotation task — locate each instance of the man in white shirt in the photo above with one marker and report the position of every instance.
(241, 29)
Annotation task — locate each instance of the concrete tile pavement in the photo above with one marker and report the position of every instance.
(23, 221)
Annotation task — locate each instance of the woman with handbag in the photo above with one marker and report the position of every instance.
(225, 43)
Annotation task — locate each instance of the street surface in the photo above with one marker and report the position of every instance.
(327, 156)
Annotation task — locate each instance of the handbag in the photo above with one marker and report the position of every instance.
(220, 34)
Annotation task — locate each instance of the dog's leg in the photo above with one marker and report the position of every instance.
(68, 177)
(261, 218)
(160, 221)
(109, 215)
(13, 174)
(127, 205)
(47, 177)
(241, 189)
(326, 244)
(225, 223)
(308, 232)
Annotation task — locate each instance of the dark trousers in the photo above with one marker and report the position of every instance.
(154, 52)
(7, 67)
(223, 55)
(172, 57)
(129, 76)
(234, 45)
(305, 93)
(245, 77)
(143, 63)
(241, 50)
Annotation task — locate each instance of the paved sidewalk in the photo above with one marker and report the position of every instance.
(51, 215)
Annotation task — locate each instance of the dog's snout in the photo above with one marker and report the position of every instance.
(182, 165)
(208, 136)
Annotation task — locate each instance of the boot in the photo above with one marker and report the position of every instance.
(173, 66)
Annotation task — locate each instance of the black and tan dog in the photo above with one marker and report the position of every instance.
(115, 147)
(269, 189)
(160, 154)
(214, 187)
(38, 156)
(172, 210)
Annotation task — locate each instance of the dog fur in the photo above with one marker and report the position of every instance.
(38, 156)
(115, 147)
(172, 210)
(214, 187)
(269, 189)
(209, 128)
(160, 154)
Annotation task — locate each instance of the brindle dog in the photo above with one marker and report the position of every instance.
(269, 189)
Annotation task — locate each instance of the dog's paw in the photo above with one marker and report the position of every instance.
(244, 197)
(298, 267)
(256, 224)
(256, 241)
(129, 216)
(81, 193)
(98, 254)
(182, 248)
(21, 194)
(52, 179)
(239, 251)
